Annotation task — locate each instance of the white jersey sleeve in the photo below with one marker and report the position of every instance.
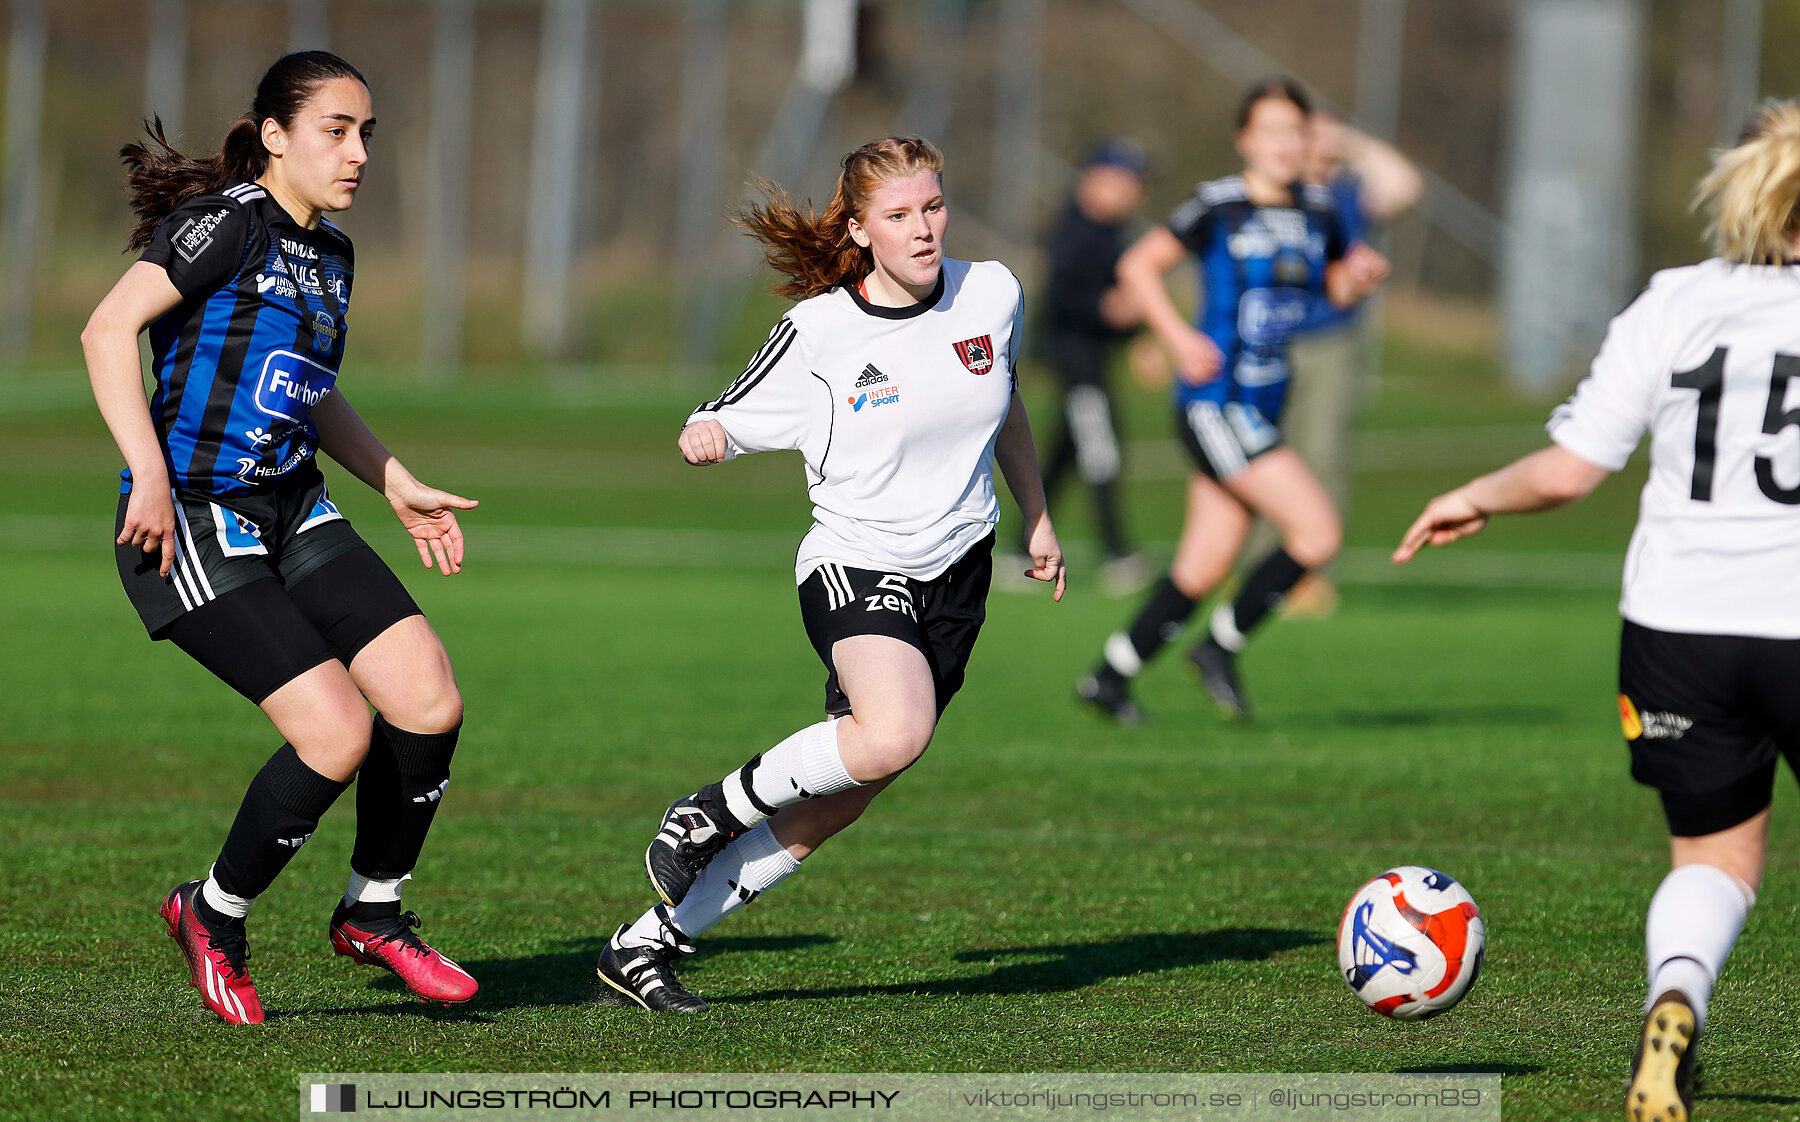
(1703, 362)
(776, 403)
(1612, 407)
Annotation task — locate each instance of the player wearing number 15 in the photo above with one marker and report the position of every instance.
(1702, 361)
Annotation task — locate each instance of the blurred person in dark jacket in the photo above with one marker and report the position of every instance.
(1087, 317)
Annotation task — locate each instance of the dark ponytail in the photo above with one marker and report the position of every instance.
(160, 179)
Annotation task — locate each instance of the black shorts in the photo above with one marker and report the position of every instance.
(1223, 439)
(941, 618)
(1706, 718)
(264, 586)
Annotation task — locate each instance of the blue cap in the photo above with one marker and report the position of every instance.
(1120, 152)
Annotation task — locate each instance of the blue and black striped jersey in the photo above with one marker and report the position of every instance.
(254, 344)
(1261, 269)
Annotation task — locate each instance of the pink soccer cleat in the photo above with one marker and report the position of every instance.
(216, 959)
(389, 942)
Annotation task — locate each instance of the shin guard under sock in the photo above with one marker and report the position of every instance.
(280, 811)
(397, 795)
(1264, 589)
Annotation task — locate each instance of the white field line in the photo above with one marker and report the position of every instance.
(1474, 446)
(629, 546)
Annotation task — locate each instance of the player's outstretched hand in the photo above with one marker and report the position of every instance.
(1448, 518)
(703, 442)
(429, 515)
(1366, 269)
(150, 524)
(1198, 359)
(1046, 557)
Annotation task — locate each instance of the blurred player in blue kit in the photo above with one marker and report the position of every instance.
(1267, 246)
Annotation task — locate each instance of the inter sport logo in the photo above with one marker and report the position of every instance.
(874, 399)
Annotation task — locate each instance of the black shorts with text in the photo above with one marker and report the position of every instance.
(941, 617)
(1706, 718)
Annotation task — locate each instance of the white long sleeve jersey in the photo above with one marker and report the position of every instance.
(1703, 360)
(895, 411)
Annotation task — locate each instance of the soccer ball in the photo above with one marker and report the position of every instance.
(1410, 943)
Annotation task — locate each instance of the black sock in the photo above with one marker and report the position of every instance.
(1264, 589)
(1106, 515)
(365, 910)
(212, 918)
(397, 796)
(280, 811)
(1158, 623)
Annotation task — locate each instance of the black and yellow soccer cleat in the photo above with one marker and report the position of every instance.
(1662, 1073)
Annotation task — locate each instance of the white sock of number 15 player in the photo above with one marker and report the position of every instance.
(1694, 919)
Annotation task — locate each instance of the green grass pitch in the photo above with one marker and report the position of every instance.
(1042, 893)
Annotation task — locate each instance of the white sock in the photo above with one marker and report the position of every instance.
(1694, 919)
(363, 890)
(804, 766)
(651, 930)
(752, 864)
(224, 902)
(1121, 655)
(1225, 629)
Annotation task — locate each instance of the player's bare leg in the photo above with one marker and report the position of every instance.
(1279, 486)
(803, 791)
(1213, 530)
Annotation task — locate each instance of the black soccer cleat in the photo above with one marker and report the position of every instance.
(644, 975)
(1218, 669)
(1662, 1072)
(1111, 695)
(691, 836)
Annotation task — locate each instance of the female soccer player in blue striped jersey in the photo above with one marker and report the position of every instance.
(1702, 361)
(1266, 246)
(893, 376)
(227, 542)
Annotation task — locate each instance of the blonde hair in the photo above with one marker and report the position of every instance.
(815, 251)
(1752, 194)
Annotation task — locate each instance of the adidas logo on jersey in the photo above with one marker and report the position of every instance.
(870, 377)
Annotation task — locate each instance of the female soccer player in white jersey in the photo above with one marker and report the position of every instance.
(893, 375)
(227, 542)
(1710, 651)
(1266, 247)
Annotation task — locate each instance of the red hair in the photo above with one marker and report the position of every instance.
(815, 251)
